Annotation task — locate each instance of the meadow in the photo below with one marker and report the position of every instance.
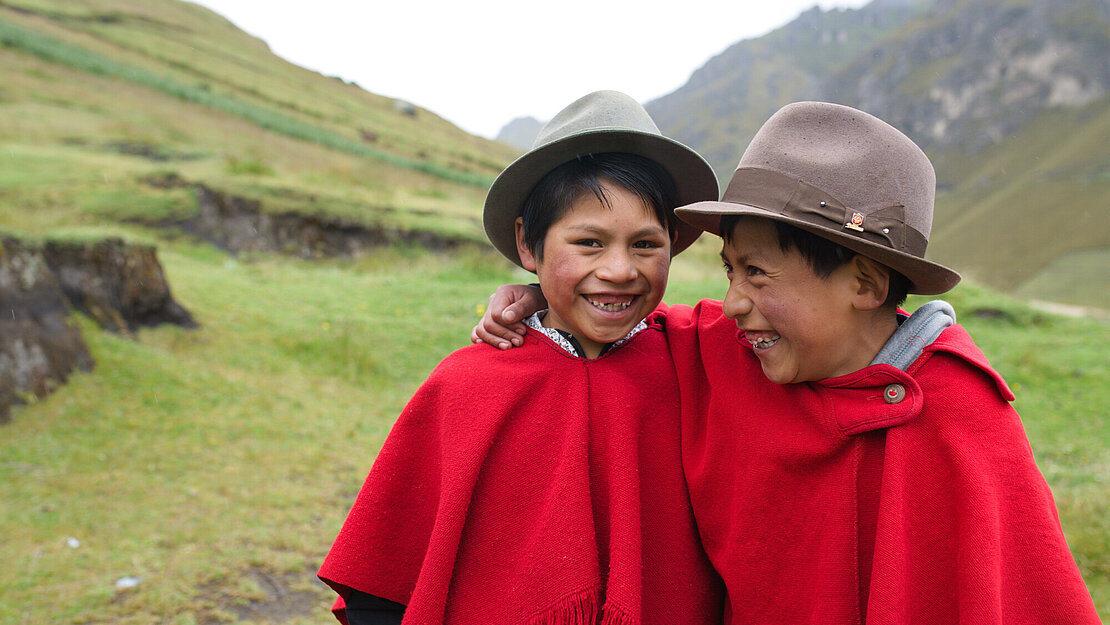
(211, 468)
(197, 477)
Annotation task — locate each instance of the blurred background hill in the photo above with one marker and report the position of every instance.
(328, 243)
(100, 93)
(1009, 99)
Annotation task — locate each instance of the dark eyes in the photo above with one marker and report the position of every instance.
(750, 270)
(641, 245)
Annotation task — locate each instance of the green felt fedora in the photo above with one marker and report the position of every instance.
(603, 121)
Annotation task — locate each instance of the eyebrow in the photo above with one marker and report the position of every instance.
(725, 257)
(740, 258)
(643, 232)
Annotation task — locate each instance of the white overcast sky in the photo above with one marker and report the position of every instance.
(482, 63)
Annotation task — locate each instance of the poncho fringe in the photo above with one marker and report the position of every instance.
(582, 608)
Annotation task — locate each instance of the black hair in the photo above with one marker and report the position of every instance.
(823, 256)
(557, 191)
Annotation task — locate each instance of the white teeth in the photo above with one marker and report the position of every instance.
(613, 307)
(763, 342)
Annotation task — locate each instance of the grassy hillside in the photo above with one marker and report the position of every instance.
(105, 92)
(198, 477)
(217, 464)
(1029, 215)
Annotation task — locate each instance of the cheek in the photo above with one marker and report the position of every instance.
(561, 273)
(786, 308)
(657, 268)
(562, 268)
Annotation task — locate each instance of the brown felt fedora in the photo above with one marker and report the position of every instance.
(603, 121)
(843, 175)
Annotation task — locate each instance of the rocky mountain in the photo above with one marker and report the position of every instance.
(1010, 100)
(726, 100)
(970, 74)
(950, 73)
(521, 132)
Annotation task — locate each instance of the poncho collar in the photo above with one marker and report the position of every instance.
(567, 341)
(914, 333)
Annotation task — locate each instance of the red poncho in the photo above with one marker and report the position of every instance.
(825, 502)
(531, 486)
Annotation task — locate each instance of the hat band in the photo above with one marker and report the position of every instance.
(784, 195)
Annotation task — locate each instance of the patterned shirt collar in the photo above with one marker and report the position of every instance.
(568, 342)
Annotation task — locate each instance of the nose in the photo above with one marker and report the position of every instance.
(736, 303)
(617, 266)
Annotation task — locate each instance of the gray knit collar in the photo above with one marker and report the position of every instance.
(914, 333)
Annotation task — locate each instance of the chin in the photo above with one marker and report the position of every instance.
(777, 376)
(611, 334)
(605, 339)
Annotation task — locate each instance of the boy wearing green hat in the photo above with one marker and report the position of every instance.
(545, 485)
(847, 462)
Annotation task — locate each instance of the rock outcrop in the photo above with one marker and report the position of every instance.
(239, 225)
(120, 286)
(40, 346)
(521, 132)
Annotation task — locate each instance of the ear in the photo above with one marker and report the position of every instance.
(527, 259)
(871, 283)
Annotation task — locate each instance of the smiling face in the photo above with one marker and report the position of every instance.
(604, 266)
(802, 327)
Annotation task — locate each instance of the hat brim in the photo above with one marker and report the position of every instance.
(693, 177)
(926, 277)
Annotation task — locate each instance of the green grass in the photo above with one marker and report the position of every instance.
(77, 184)
(1069, 278)
(191, 458)
(204, 461)
(217, 464)
(56, 51)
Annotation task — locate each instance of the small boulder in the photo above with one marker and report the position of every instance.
(40, 346)
(120, 285)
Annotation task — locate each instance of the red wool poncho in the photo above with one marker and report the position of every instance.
(531, 486)
(882, 496)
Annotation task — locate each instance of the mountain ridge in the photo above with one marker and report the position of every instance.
(1010, 100)
(118, 91)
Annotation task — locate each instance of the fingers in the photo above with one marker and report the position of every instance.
(514, 312)
(501, 325)
(496, 307)
(499, 336)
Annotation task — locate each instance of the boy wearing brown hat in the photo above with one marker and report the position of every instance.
(544, 485)
(847, 462)
(878, 472)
